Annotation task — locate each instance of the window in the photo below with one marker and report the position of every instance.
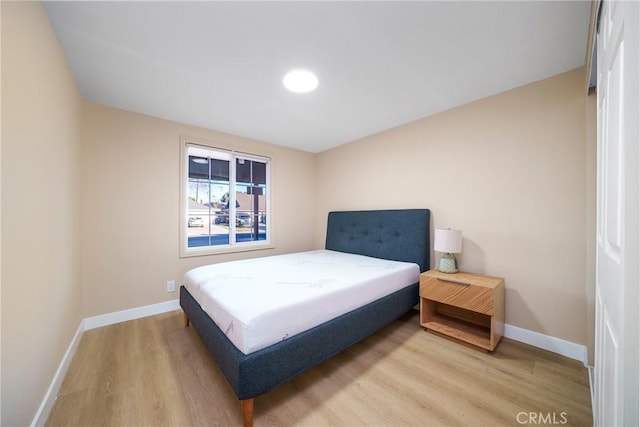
(225, 200)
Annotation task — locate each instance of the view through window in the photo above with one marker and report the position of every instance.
(226, 198)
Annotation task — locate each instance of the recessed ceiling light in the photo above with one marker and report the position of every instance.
(300, 81)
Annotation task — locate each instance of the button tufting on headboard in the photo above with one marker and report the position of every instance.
(400, 235)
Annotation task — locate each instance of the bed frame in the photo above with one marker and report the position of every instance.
(399, 235)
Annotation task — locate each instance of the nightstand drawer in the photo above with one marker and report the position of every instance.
(475, 298)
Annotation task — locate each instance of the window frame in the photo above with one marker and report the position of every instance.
(234, 153)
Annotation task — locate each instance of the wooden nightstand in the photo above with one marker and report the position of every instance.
(466, 307)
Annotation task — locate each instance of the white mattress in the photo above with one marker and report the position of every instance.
(261, 301)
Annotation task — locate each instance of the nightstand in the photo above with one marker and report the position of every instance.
(466, 307)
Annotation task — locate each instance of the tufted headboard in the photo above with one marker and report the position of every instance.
(398, 235)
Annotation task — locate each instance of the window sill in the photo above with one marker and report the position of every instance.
(208, 251)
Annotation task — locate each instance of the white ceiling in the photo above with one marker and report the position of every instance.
(219, 65)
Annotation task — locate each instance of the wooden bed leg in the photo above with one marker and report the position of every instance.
(185, 318)
(247, 412)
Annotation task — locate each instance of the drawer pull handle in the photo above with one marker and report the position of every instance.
(456, 281)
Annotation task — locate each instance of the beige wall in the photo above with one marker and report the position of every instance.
(41, 267)
(510, 171)
(130, 205)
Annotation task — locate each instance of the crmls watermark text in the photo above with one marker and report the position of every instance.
(542, 418)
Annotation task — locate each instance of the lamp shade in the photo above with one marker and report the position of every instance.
(449, 241)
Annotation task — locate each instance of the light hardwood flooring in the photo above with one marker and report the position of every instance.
(155, 372)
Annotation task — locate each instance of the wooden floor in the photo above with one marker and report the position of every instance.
(155, 372)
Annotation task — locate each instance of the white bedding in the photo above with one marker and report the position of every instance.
(261, 301)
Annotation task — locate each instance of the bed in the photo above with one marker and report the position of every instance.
(395, 235)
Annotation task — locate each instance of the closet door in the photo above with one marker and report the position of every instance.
(617, 367)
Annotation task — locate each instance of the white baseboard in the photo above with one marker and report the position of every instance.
(52, 392)
(131, 314)
(90, 323)
(555, 345)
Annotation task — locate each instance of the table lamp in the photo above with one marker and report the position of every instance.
(448, 241)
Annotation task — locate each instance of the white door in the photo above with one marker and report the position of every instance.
(616, 385)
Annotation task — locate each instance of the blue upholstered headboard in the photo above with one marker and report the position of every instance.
(398, 235)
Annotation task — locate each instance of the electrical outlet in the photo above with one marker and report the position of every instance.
(171, 285)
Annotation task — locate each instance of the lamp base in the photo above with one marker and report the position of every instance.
(448, 264)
